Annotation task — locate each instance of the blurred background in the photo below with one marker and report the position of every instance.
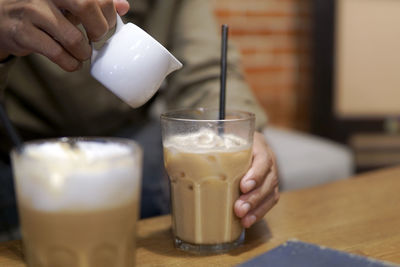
(274, 37)
(326, 68)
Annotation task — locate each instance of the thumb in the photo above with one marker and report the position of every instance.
(122, 6)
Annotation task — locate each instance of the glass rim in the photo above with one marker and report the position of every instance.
(168, 115)
(134, 146)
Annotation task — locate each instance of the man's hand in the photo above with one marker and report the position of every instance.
(39, 26)
(259, 185)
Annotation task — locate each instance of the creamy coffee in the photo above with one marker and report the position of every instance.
(78, 204)
(205, 169)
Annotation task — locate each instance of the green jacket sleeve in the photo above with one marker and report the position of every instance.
(196, 42)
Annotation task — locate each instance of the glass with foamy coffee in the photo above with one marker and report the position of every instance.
(205, 159)
(78, 201)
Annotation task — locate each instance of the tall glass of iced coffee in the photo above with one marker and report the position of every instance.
(78, 201)
(205, 159)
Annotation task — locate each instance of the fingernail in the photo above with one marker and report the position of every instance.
(251, 220)
(248, 175)
(239, 203)
(249, 185)
(245, 207)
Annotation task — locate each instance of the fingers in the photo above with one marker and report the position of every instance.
(258, 213)
(45, 45)
(3, 55)
(95, 24)
(262, 162)
(71, 18)
(259, 185)
(63, 31)
(96, 16)
(252, 200)
(40, 26)
(122, 6)
(109, 12)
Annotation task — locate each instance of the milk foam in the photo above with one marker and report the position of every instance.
(88, 175)
(205, 140)
(81, 150)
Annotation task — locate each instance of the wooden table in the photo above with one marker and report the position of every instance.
(360, 215)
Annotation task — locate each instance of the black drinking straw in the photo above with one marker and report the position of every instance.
(10, 129)
(224, 49)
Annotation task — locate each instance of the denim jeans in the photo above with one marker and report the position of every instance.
(155, 198)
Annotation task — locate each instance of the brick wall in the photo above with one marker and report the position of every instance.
(274, 39)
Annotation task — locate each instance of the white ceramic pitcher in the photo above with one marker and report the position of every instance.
(132, 64)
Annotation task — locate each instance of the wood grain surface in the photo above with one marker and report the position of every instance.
(359, 215)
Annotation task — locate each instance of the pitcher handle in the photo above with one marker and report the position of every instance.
(118, 27)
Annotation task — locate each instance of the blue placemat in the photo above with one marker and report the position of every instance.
(295, 253)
